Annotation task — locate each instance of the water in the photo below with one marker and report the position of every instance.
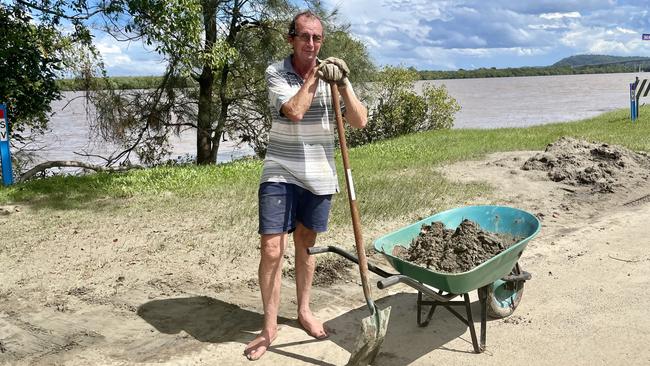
(535, 100)
(70, 134)
(486, 103)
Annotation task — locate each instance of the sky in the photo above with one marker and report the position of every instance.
(450, 35)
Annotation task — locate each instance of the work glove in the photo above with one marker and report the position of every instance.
(334, 69)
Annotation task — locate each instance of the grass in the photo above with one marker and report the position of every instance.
(394, 179)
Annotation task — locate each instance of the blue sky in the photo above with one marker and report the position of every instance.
(448, 35)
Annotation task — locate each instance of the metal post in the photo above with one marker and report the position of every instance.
(638, 90)
(632, 101)
(5, 153)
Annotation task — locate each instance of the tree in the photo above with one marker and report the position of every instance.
(37, 50)
(219, 45)
(223, 47)
(30, 61)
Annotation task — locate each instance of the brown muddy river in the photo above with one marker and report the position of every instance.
(486, 103)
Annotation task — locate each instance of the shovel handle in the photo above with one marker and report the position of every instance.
(354, 210)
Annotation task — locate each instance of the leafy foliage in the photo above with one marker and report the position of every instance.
(42, 41)
(30, 60)
(222, 46)
(397, 110)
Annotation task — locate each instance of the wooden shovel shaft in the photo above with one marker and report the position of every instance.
(354, 210)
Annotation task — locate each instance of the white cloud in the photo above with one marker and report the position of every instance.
(446, 34)
(602, 46)
(626, 31)
(106, 48)
(129, 58)
(552, 16)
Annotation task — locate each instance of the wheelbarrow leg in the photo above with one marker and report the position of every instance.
(429, 316)
(482, 297)
(470, 324)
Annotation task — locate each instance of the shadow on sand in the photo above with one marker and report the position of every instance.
(405, 341)
(216, 321)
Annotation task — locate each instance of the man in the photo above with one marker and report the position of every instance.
(299, 176)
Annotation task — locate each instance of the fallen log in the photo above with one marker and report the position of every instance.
(73, 164)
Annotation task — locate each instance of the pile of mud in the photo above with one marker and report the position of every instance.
(328, 271)
(454, 251)
(603, 167)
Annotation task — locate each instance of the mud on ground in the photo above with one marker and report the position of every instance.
(603, 167)
(126, 287)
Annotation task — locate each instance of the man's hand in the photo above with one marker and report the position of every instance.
(340, 63)
(334, 69)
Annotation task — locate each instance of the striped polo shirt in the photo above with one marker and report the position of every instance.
(300, 152)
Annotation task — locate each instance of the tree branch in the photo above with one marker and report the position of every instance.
(72, 164)
(78, 16)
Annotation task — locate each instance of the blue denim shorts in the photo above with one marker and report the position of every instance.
(282, 205)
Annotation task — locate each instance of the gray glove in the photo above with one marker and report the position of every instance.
(335, 70)
(340, 63)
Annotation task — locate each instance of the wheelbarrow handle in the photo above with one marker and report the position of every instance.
(521, 277)
(395, 279)
(387, 282)
(317, 250)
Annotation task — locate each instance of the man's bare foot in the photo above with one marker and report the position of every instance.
(258, 346)
(312, 326)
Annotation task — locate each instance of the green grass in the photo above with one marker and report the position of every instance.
(393, 179)
(68, 191)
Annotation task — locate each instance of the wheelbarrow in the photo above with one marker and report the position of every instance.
(499, 281)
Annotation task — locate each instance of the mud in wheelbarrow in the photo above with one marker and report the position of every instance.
(498, 281)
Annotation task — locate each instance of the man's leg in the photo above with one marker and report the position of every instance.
(305, 265)
(270, 273)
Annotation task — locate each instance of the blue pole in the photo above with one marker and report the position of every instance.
(632, 101)
(5, 153)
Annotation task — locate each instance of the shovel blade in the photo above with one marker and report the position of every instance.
(373, 332)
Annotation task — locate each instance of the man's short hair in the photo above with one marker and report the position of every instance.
(307, 14)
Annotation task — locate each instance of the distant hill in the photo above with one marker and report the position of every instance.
(592, 60)
(578, 64)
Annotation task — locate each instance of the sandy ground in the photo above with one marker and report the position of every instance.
(76, 297)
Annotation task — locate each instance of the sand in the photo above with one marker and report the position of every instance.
(100, 292)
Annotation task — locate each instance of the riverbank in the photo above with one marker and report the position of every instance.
(159, 265)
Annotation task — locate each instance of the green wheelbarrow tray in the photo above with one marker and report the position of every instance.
(498, 281)
(499, 219)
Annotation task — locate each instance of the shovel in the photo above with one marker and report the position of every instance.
(373, 328)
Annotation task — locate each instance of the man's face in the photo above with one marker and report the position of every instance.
(308, 39)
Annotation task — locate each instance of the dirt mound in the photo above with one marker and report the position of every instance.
(328, 271)
(602, 166)
(454, 251)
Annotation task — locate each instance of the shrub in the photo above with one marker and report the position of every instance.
(395, 109)
(441, 108)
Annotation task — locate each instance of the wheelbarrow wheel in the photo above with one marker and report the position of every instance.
(503, 297)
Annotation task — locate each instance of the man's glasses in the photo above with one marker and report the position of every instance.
(305, 37)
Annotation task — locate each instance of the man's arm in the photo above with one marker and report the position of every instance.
(355, 112)
(335, 70)
(296, 107)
